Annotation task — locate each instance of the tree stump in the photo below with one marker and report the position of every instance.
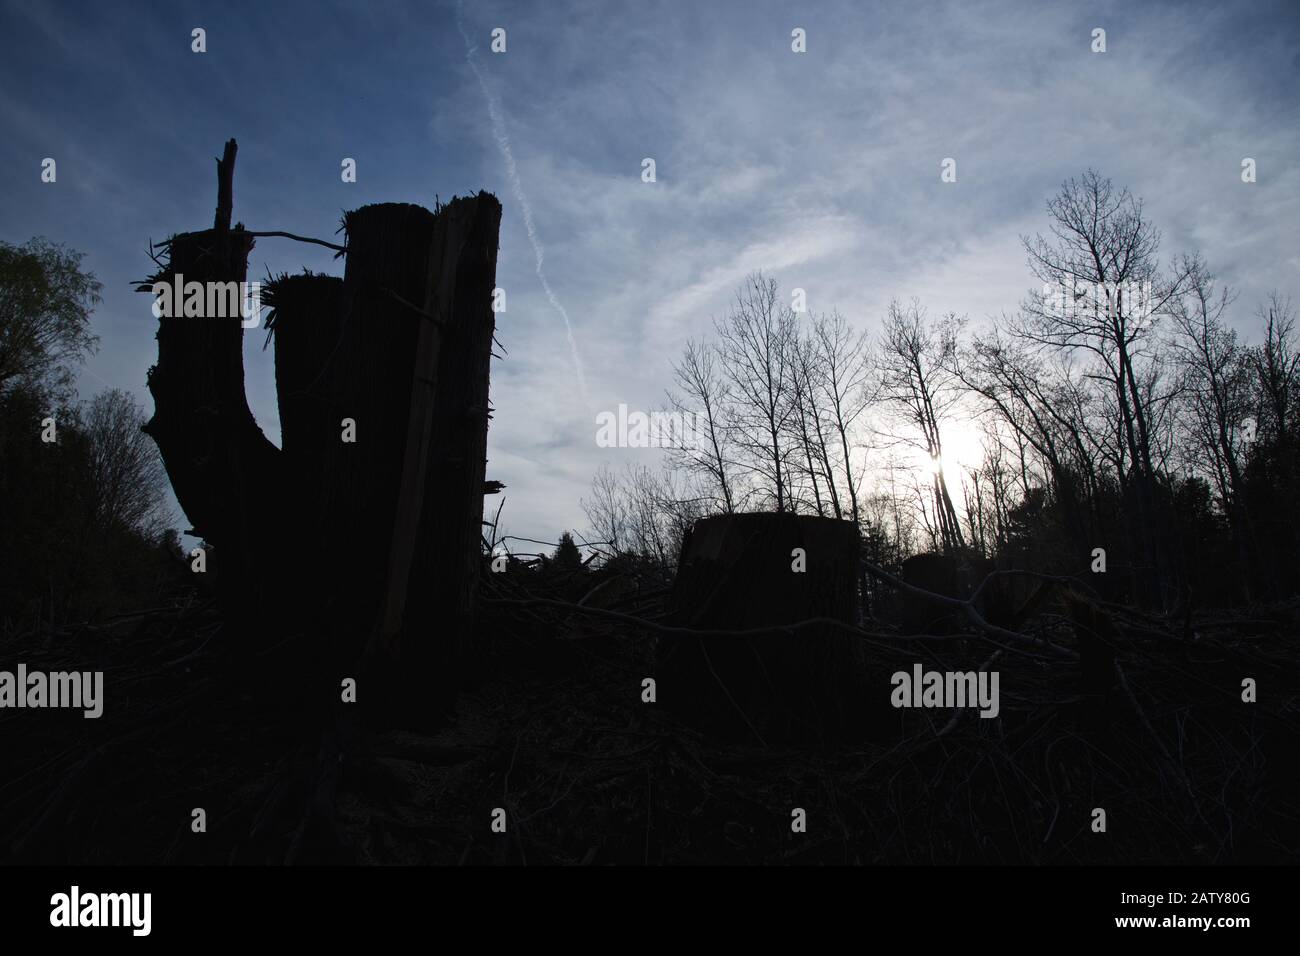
(362, 532)
(402, 508)
(448, 549)
(367, 390)
(800, 687)
(224, 470)
(306, 319)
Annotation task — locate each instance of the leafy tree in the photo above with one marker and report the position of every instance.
(82, 489)
(46, 299)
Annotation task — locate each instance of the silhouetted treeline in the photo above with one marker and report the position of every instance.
(1123, 424)
(82, 516)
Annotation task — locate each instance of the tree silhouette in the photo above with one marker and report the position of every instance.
(566, 554)
(382, 378)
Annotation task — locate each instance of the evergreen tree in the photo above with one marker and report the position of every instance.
(567, 554)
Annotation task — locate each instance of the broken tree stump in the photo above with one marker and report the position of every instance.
(305, 320)
(367, 391)
(411, 375)
(224, 470)
(362, 532)
(737, 572)
(447, 554)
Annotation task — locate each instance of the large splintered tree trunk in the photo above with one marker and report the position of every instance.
(738, 572)
(447, 548)
(402, 511)
(368, 391)
(365, 528)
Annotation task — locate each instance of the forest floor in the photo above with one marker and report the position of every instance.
(557, 735)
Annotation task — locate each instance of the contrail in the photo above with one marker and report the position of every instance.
(512, 171)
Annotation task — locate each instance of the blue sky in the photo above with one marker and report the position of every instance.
(821, 168)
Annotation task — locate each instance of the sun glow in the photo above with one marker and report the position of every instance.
(963, 450)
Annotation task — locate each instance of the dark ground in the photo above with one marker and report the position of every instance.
(556, 733)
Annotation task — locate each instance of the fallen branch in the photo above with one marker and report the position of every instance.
(968, 607)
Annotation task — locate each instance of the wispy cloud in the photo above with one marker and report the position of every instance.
(517, 188)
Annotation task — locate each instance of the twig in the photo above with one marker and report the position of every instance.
(290, 235)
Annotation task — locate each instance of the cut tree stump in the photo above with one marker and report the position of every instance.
(800, 687)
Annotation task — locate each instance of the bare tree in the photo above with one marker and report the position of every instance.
(846, 386)
(706, 394)
(755, 345)
(127, 478)
(642, 512)
(807, 426)
(1215, 374)
(1049, 414)
(917, 383)
(1277, 368)
(1275, 455)
(988, 494)
(607, 510)
(1103, 294)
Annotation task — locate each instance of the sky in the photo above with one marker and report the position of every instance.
(821, 168)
